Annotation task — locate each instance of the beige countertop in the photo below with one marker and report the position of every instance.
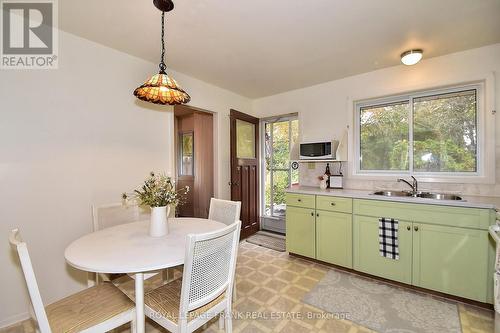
(469, 200)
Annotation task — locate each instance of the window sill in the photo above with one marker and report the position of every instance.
(458, 179)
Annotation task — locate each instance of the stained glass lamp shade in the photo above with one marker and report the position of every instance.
(161, 88)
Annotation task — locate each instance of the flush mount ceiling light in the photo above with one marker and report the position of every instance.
(411, 57)
(161, 88)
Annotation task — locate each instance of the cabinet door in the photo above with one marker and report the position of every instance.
(451, 260)
(334, 238)
(367, 257)
(301, 231)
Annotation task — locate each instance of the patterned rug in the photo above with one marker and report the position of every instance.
(381, 306)
(274, 242)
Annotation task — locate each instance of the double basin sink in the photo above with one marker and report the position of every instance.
(424, 195)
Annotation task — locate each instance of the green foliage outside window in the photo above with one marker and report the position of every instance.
(444, 134)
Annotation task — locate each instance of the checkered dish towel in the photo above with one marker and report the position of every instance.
(388, 238)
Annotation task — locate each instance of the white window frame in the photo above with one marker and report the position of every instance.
(263, 121)
(481, 174)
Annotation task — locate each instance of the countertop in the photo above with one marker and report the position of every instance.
(469, 200)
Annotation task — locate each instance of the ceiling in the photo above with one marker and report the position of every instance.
(259, 48)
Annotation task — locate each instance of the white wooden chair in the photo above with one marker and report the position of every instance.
(227, 212)
(106, 216)
(205, 289)
(111, 215)
(97, 309)
(224, 211)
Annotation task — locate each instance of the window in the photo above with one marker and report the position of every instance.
(430, 133)
(186, 150)
(280, 135)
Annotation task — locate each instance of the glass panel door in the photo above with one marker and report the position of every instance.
(186, 149)
(280, 136)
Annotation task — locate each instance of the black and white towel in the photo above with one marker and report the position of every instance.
(388, 238)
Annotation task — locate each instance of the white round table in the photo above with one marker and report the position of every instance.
(128, 248)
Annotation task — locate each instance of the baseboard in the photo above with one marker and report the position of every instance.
(14, 319)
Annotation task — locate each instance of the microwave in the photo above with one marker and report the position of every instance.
(318, 150)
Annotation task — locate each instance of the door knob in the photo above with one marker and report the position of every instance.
(312, 214)
(415, 228)
(299, 200)
(317, 215)
(408, 228)
(332, 203)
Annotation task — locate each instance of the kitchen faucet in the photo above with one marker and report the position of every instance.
(414, 186)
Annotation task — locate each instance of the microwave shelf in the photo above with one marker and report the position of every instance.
(319, 161)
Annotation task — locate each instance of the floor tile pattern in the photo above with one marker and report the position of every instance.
(270, 286)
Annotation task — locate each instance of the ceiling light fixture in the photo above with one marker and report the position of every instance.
(161, 88)
(411, 57)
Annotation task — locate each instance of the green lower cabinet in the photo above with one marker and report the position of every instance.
(301, 231)
(334, 238)
(367, 257)
(451, 260)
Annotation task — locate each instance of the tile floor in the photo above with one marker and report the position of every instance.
(270, 285)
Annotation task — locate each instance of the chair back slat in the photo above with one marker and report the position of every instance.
(29, 276)
(224, 211)
(115, 214)
(209, 267)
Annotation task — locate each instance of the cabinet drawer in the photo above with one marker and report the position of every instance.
(300, 200)
(334, 204)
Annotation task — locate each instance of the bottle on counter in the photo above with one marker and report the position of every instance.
(328, 174)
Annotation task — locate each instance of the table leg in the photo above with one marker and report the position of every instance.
(139, 302)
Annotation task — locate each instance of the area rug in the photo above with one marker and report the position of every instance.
(382, 307)
(274, 242)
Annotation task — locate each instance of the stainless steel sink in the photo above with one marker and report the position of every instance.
(393, 193)
(439, 196)
(423, 195)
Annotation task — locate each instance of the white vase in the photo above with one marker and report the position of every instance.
(158, 226)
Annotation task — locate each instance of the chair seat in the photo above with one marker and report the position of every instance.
(165, 300)
(87, 308)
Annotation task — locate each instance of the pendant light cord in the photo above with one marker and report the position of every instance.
(162, 60)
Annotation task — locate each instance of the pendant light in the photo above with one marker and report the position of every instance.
(161, 88)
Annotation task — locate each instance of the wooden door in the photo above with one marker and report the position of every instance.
(245, 169)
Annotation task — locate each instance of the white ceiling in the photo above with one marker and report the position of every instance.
(261, 47)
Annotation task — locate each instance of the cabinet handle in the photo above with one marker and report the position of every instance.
(312, 213)
(408, 228)
(299, 200)
(415, 228)
(317, 214)
(332, 203)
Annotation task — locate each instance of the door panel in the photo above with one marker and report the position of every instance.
(366, 250)
(244, 169)
(451, 260)
(334, 238)
(301, 231)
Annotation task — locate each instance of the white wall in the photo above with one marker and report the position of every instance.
(326, 109)
(75, 136)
